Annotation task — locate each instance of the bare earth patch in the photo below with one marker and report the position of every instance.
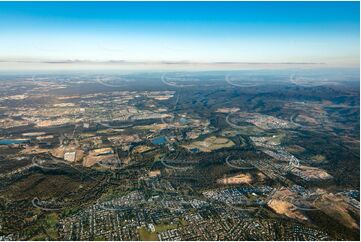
(280, 205)
(243, 178)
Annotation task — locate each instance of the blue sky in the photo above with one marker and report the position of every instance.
(265, 32)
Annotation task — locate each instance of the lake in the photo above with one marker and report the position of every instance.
(13, 141)
(159, 140)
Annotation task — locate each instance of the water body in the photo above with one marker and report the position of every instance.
(183, 120)
(194, 150)
(159, 140)
(13, 141)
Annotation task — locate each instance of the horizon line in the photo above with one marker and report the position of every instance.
(164, 62)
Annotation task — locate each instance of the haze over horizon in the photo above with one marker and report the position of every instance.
(157, 35)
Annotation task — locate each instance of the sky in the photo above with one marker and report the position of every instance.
(49, 34)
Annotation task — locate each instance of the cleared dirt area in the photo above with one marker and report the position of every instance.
(209, 144)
